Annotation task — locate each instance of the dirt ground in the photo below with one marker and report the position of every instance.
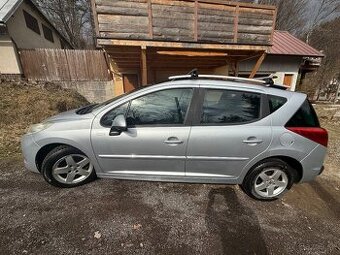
(130, 217)
(116, 217)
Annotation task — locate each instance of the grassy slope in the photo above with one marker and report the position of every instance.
(22, 105)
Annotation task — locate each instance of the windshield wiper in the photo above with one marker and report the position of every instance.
(86, 109)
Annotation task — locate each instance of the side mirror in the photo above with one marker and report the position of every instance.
(118, 125)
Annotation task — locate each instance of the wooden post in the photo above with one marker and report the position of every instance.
(257, 65)
(150, 19)
(237, 13)
(95, 21)
(144, 70)
(196, 22)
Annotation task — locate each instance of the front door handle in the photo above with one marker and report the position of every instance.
(173, 141)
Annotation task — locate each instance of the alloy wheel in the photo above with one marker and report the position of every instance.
(72, 169)
(271, 182)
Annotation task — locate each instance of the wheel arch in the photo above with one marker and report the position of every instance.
(292, 162)
(42, 153)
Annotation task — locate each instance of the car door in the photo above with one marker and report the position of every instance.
(156, 139)
(227, 133)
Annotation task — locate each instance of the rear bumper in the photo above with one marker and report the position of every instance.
(29, 150)
(312, 164)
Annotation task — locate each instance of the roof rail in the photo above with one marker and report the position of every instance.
(265, 81)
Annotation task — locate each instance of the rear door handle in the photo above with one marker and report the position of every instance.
(252, 140)
(173, 141)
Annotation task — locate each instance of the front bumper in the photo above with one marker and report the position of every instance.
(29, 150)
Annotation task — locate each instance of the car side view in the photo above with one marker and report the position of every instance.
(192, 128)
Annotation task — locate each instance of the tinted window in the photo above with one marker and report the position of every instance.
(230, 107)
(111, 115)
(276, 102)
(304, 117)
(162, 107)
(31, 22)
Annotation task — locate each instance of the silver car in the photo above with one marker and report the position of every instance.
(198, 129)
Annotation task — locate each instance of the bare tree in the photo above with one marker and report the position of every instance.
(322, 10)
(327, 79)
(72, 18)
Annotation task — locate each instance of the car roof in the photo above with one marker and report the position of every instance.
(237, 85)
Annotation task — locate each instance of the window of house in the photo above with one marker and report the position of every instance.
(31, 22)
(48, 34)
(230, 107)
(166, 107)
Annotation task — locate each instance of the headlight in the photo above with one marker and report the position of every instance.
(39, 127)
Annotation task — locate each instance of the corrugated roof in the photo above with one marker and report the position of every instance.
(286, 44)
(7, 8)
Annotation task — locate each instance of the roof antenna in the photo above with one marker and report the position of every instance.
(193, 73)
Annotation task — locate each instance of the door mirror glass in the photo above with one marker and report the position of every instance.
(118, 125)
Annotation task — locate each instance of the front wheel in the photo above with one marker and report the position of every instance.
(67, 167)
(268, 180)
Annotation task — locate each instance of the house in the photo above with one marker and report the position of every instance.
(288, 59)
(23, 26)
(149, 40)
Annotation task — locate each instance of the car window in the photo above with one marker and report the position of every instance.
(304, 117)
(230, 107)
(159, 108)
(111, 115)
(276, 102)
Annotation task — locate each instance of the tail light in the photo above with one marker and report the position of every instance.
(316, 134)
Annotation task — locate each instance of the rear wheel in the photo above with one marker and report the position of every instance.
(268, 180)
(67, 167)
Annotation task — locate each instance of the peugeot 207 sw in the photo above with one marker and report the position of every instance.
(198, 129)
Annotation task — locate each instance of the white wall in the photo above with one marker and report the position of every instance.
(277, 65)
(24, 37)
(9, 59)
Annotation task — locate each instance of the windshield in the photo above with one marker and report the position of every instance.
(91, 107)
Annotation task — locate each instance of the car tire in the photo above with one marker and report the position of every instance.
(67, 167)
(268, 180)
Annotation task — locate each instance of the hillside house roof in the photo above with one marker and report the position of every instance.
(9, 7)
(285, 43)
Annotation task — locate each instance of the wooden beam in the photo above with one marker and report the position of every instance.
(192, 53)
(144, 70)
(240, 47)
(257, 65)
(230, 3)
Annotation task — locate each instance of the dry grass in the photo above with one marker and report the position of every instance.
(22, 105)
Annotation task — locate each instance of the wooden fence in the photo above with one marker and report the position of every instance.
(64, 65)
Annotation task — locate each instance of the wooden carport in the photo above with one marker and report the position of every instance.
(145, 39)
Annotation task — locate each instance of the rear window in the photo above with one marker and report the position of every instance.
(304, 117)
(276, 102)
